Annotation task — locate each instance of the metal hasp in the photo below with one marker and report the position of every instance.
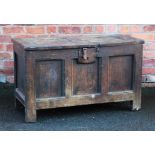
(86, 56)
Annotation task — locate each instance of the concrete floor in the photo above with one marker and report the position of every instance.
(115, 116)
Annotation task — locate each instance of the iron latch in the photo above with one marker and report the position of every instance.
(87, 55)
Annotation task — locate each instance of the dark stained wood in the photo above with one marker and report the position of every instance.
(120, 73)
(77, 70)
(84, 100)
(19, 68)
(49, 79)
(85, 78)
(30, 93)
(138, 77)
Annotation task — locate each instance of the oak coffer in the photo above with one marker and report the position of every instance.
(77, 70)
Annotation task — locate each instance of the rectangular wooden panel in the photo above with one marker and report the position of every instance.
(86, 78)
(120, 73)
(49, 78)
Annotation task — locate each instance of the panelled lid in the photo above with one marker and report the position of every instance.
(61, 42)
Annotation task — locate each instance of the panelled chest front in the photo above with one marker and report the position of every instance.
(77, 70)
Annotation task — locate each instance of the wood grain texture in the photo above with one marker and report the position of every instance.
(138, 77)
(84, 100)
(85, 78)
(120, 73)
(30, 93)
(49, 78)
(50, 75)
(63, 42)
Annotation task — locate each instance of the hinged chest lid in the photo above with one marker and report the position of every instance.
(62, 42)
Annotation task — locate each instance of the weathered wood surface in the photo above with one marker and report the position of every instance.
(79, 70)
(62, 42)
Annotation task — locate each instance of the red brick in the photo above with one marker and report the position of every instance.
(145, 36)
(25, 24)
(2, 47)
(135, 28)
(148, 54)
(51, 29)
(124, 29)
(35, 29)
(149, 62)
(87, 29)
(43, 36)
(99, 28)
(69, 29)
(149, 46)
(1, 64)
(9, 47)
(5, 56)
(5, 39)
(13, 29)
(76, 29)
(147, 70)
(7, 71)
(10, 79)
(111, 28)
(9, 64)
(149, 28)
(24, 36)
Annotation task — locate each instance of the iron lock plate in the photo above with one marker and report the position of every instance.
(87, 55)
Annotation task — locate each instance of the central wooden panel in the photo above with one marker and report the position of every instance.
(85, 78)
(120, 73)
(49, 79)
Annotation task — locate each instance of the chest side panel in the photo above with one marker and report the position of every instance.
(19, 71)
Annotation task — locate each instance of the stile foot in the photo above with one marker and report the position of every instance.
(30, 116)
(136, 106)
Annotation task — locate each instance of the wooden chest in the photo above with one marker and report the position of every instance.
(77, 70)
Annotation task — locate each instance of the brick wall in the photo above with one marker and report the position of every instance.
(146, 32)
